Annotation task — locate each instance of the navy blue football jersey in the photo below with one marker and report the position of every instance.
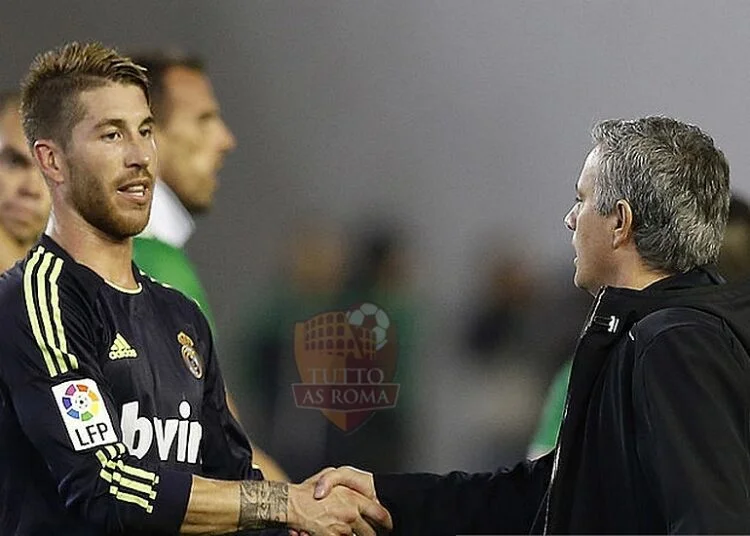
(109, 400)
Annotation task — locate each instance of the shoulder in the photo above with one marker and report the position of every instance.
(47, 301)
(45, 279)
(684, 337)
(143, 245)
(170, 297)
(150, 253)
(673, 320)
(164, 262)
(167, 264)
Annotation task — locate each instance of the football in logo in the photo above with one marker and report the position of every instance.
(80, 402)
(371, 316)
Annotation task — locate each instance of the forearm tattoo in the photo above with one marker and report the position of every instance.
(263, 504)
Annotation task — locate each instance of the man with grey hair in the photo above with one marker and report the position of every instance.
(655, 431)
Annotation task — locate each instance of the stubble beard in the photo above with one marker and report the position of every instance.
(89, 197)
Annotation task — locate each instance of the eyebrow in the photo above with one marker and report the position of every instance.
(120, 123)
(579, 194)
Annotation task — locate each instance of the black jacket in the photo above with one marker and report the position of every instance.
(655, 437)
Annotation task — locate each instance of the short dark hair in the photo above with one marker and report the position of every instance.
(49, 94)
(157, 65)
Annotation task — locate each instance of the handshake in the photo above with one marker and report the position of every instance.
(337, 502)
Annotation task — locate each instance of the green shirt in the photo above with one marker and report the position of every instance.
(169, 265)
(545, 438)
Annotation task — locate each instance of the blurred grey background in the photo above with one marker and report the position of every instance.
(466, 122)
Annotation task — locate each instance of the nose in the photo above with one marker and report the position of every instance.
(141, 153)
(570, 219)
(227, 141)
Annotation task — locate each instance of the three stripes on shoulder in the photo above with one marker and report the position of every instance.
(42, 297)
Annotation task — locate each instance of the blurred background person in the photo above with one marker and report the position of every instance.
(502, 351)
(498, 323)
(734, 260)
(326, 266)
(24, 198)
(310, 280)
(192, 141)
(381, 273)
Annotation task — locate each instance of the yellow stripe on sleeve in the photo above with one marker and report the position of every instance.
(44, 310)
(113, 470)
(28, 291)
(56, 315)
(127, 497)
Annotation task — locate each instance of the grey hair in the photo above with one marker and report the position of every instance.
(676, 182)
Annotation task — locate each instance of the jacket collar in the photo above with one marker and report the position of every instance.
(708, 274)
(616, 309)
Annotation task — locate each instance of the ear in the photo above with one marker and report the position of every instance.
(623, 230)
(50, 158)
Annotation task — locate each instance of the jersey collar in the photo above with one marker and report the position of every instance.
(170, 221)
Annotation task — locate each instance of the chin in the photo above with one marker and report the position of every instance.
(134, 228)
(122, 228)
(580, 282)
(26, 234)
(200, 206)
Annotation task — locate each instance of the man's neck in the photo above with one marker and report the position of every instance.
(110, 259)
(11, 250)
(638, 276)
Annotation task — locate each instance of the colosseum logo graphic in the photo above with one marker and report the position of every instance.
(347, 362)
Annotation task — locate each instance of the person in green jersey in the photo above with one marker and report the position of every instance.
(545, 438)
(193, 141)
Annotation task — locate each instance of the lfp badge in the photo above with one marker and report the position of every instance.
(347, 363)
(80, 401)
(84, 414)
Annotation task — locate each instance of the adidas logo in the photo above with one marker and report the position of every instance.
(121, 349)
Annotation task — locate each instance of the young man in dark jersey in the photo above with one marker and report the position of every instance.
(113, 417)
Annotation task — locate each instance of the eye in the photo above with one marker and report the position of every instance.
(147, 132)
(112, 136)
(14, 161)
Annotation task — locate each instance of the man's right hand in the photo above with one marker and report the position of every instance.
(350, 477)
(342, 511)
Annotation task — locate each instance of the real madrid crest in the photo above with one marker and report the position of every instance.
(190, 356)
